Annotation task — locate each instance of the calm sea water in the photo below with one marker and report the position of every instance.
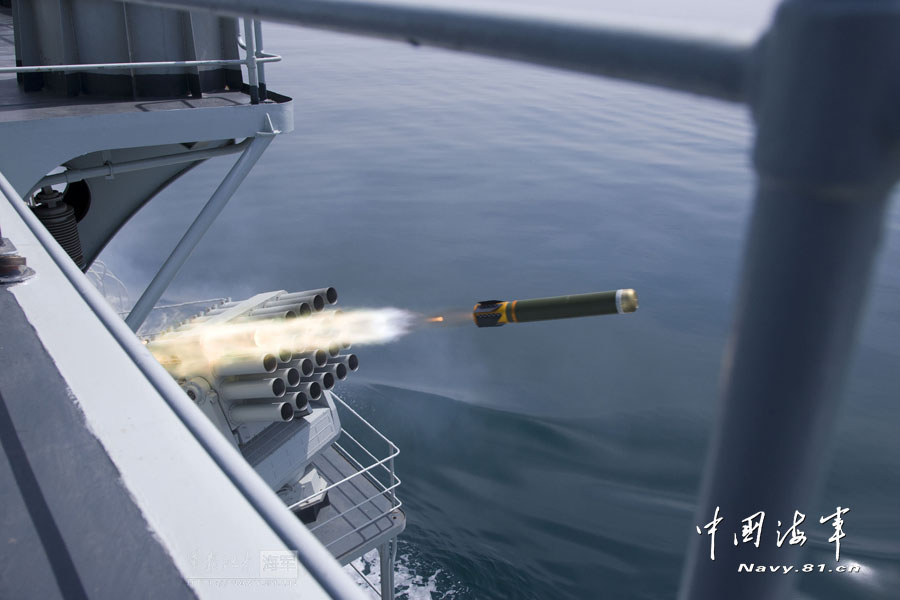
(550, 460)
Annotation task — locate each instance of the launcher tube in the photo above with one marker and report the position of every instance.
(261, 413)
(249, 390)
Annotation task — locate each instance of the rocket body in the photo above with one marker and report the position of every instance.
(494, 313)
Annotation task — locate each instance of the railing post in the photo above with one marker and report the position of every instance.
(386, 559)
(260, 66)
(826, 154)
(250, 51)
(390, 484)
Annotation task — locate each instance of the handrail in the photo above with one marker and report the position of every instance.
(254, 59)
(393, 452)
(709, 67)
(394, 480)
(381, 489)
(137, 65)
(365, 579)
(358, 528)
(337, 483)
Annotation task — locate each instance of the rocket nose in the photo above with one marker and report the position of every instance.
(626, 301)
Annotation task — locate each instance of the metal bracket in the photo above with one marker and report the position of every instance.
(13, 266)
(201, 224)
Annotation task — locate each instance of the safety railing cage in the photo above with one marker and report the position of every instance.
(371, 456)
(375, 466)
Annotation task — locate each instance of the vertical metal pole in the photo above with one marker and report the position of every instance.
(260, 67)
(195, 232)
(250, 51)
(826, 157)
(386, 556)
(393, 478)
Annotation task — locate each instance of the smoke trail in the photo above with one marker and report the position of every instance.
(204, 346)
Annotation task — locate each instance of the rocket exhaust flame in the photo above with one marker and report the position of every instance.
(268, 357)
(245, 347)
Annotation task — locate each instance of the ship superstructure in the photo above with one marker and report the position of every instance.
(93, 126)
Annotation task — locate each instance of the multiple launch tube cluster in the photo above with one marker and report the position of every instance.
(261, 383)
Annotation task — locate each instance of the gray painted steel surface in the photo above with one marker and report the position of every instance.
(86, 133)
(53, 33)
(68, 522)
(132, 130)
(312, 556)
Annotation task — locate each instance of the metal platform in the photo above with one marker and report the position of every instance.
(51, 130)
(360, 516)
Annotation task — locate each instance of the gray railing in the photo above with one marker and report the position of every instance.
(379, 466)
(255, 60)
(376, 468)
(710, 67)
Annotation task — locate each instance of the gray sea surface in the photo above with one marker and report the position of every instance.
(547, 460)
